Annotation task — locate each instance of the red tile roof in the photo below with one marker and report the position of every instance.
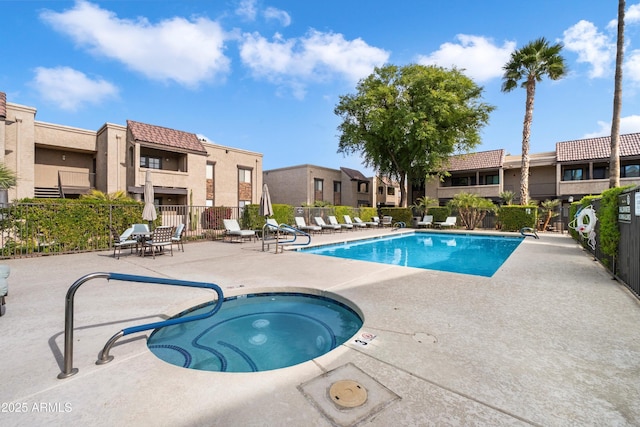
(597, 148)
(172, 138)
(3, 105)
(472, 161)
(353, 174)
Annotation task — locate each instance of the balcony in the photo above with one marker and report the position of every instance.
(71, 182)
(487, 191)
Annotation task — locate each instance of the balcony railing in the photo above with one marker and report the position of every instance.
(71, 182)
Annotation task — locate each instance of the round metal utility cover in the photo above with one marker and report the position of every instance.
(347, 393)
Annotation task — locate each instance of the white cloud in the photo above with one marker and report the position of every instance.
(632, 15)
(71, 89)
(480, 58)
(592, 47)
(629, 124)
(314, 57)
(271, 13)
(247, 9)
(631, 67)
(187, 52)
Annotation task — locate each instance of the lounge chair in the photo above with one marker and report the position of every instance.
(366, 223)
(427, 221)
(160, 238)
(356, 225)
(233, 231)
(302, 225)
(178, 235)
(334, 221)
(124, 240)
(324, 226)
(449, 222)
(387, 221)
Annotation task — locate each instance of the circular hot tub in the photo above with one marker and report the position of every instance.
(257, 332)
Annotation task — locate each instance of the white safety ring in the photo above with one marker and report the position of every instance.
(586, 227)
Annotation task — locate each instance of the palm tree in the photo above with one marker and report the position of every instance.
(614, 161)
(530, 64)
(8, 177)
(119, 195)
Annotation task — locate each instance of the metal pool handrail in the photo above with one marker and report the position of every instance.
(69, 370)
(295, 232)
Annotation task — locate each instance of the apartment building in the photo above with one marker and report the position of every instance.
(53, 160)
(307, 184)
(577, 168)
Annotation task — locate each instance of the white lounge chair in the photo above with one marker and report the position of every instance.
(449, 222)
(233, 231)
(387, 221)
(427, 221)
(302, 225)
(356, 225)
(320, 222)
(367, 223)
(334, 221)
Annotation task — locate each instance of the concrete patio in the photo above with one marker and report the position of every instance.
(549, 340)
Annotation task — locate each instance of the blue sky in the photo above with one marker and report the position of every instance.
(265, 75)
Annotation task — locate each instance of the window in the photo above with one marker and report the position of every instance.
(600, 172)
(630, 171)
(391, 191)
(381, 190)
(244, 175)
(337, 187)
(491, 180)
(150, 162)
(318, 186)
(363, 187)
(459, 181)
(572, 174)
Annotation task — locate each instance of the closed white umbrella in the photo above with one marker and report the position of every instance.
(265, 202)
(149, 211)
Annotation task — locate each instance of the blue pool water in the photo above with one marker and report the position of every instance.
(257, 332)
(456, 253)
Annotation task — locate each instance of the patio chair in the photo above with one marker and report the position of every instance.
(124, 240)
(427, 221)
(178, 235)
(302, 225)
(356, 225)
(387, 221)
(334, 221)
(160, 238)
(366, 223)
(234, 232)
(324, 226)
(449, 222)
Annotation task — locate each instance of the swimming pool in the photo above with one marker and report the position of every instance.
(257, 332)
(479, 255)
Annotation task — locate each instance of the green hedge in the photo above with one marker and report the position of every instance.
(399, 214)
(440, 213)
(515, 217)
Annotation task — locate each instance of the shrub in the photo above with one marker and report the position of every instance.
(515, 217)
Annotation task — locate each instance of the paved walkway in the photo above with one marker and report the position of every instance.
(549, 340)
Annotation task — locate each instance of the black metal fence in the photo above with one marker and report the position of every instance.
(626, 265)
(32, 229)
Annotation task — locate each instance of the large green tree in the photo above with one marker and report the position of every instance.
(614, 161)
(526, 67)
(406, 121)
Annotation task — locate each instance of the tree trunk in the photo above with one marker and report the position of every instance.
(614, 161)
(526, 134)
(403, 190)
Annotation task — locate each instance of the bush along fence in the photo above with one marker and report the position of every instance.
(61, 226)
(617, 233)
